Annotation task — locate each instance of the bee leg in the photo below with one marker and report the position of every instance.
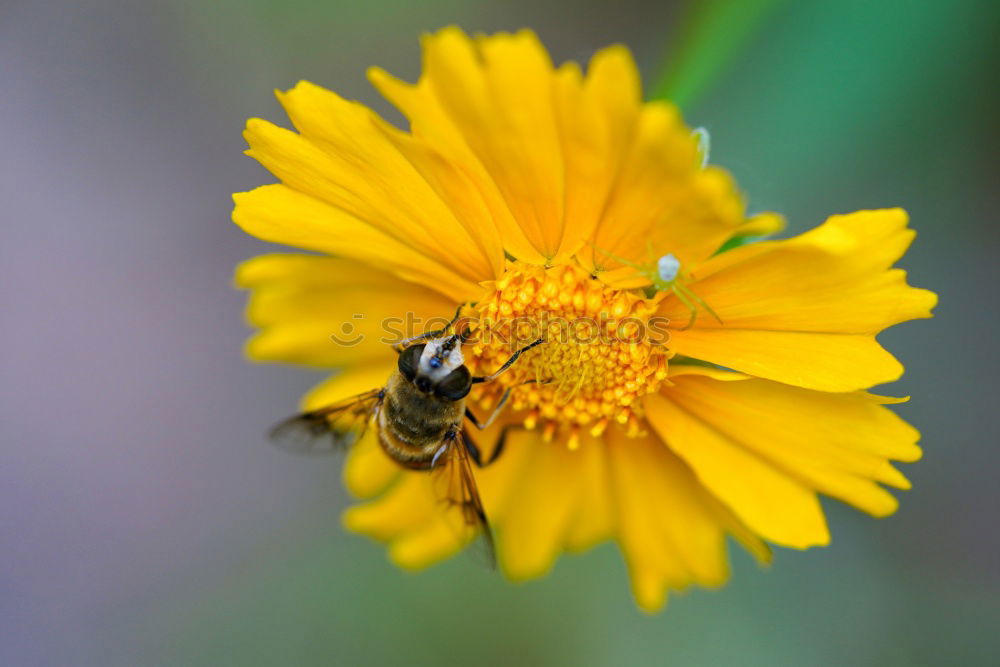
(477, 456)
(482, 426)
(442, 449)
(403, 344)
(501, 442)
(508, 363)
(473, 449)
(474, 452)
(496, 412)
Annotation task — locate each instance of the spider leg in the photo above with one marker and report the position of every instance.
(697, 299)
(650, 254)
(682, 296)
(642, 271)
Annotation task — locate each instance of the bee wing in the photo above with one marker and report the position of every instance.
(456, 486)
(328, 429)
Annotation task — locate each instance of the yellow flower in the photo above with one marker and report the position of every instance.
(534, 194)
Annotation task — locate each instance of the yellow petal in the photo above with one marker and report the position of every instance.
(823, 361)
(687, 368)
(663, 202)
(378, 187)
(805, 311)
(764, 448)
(368, 470)
(597, 116)
(762, 224)
(419, 529)
(593, 518)
(438, 150)
(403, 508)
(356, 136)
(278, 213)
(776, 506)
(527, 544)
(328, 312)
(421, 548)
(669, 527)
(457, 189)
(498, 92)
(408, 514)
(411, 517)
(537, 148)
(829, 439)
(533, 521)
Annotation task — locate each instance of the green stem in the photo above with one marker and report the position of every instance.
(712, 33)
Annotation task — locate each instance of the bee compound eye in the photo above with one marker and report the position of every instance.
(409, 359)
(455, 385)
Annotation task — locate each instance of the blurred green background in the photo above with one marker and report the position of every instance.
(145, 521)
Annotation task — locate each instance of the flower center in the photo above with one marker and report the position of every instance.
(602, 350)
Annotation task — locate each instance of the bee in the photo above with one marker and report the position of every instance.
(419, 417)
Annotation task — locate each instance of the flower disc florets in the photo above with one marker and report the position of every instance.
(603, 349)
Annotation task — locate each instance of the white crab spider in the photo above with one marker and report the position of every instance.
(665, 275)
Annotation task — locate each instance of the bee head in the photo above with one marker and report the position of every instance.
(438, 367)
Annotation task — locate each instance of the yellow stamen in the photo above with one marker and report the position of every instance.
(573, 441)
(599, 357)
